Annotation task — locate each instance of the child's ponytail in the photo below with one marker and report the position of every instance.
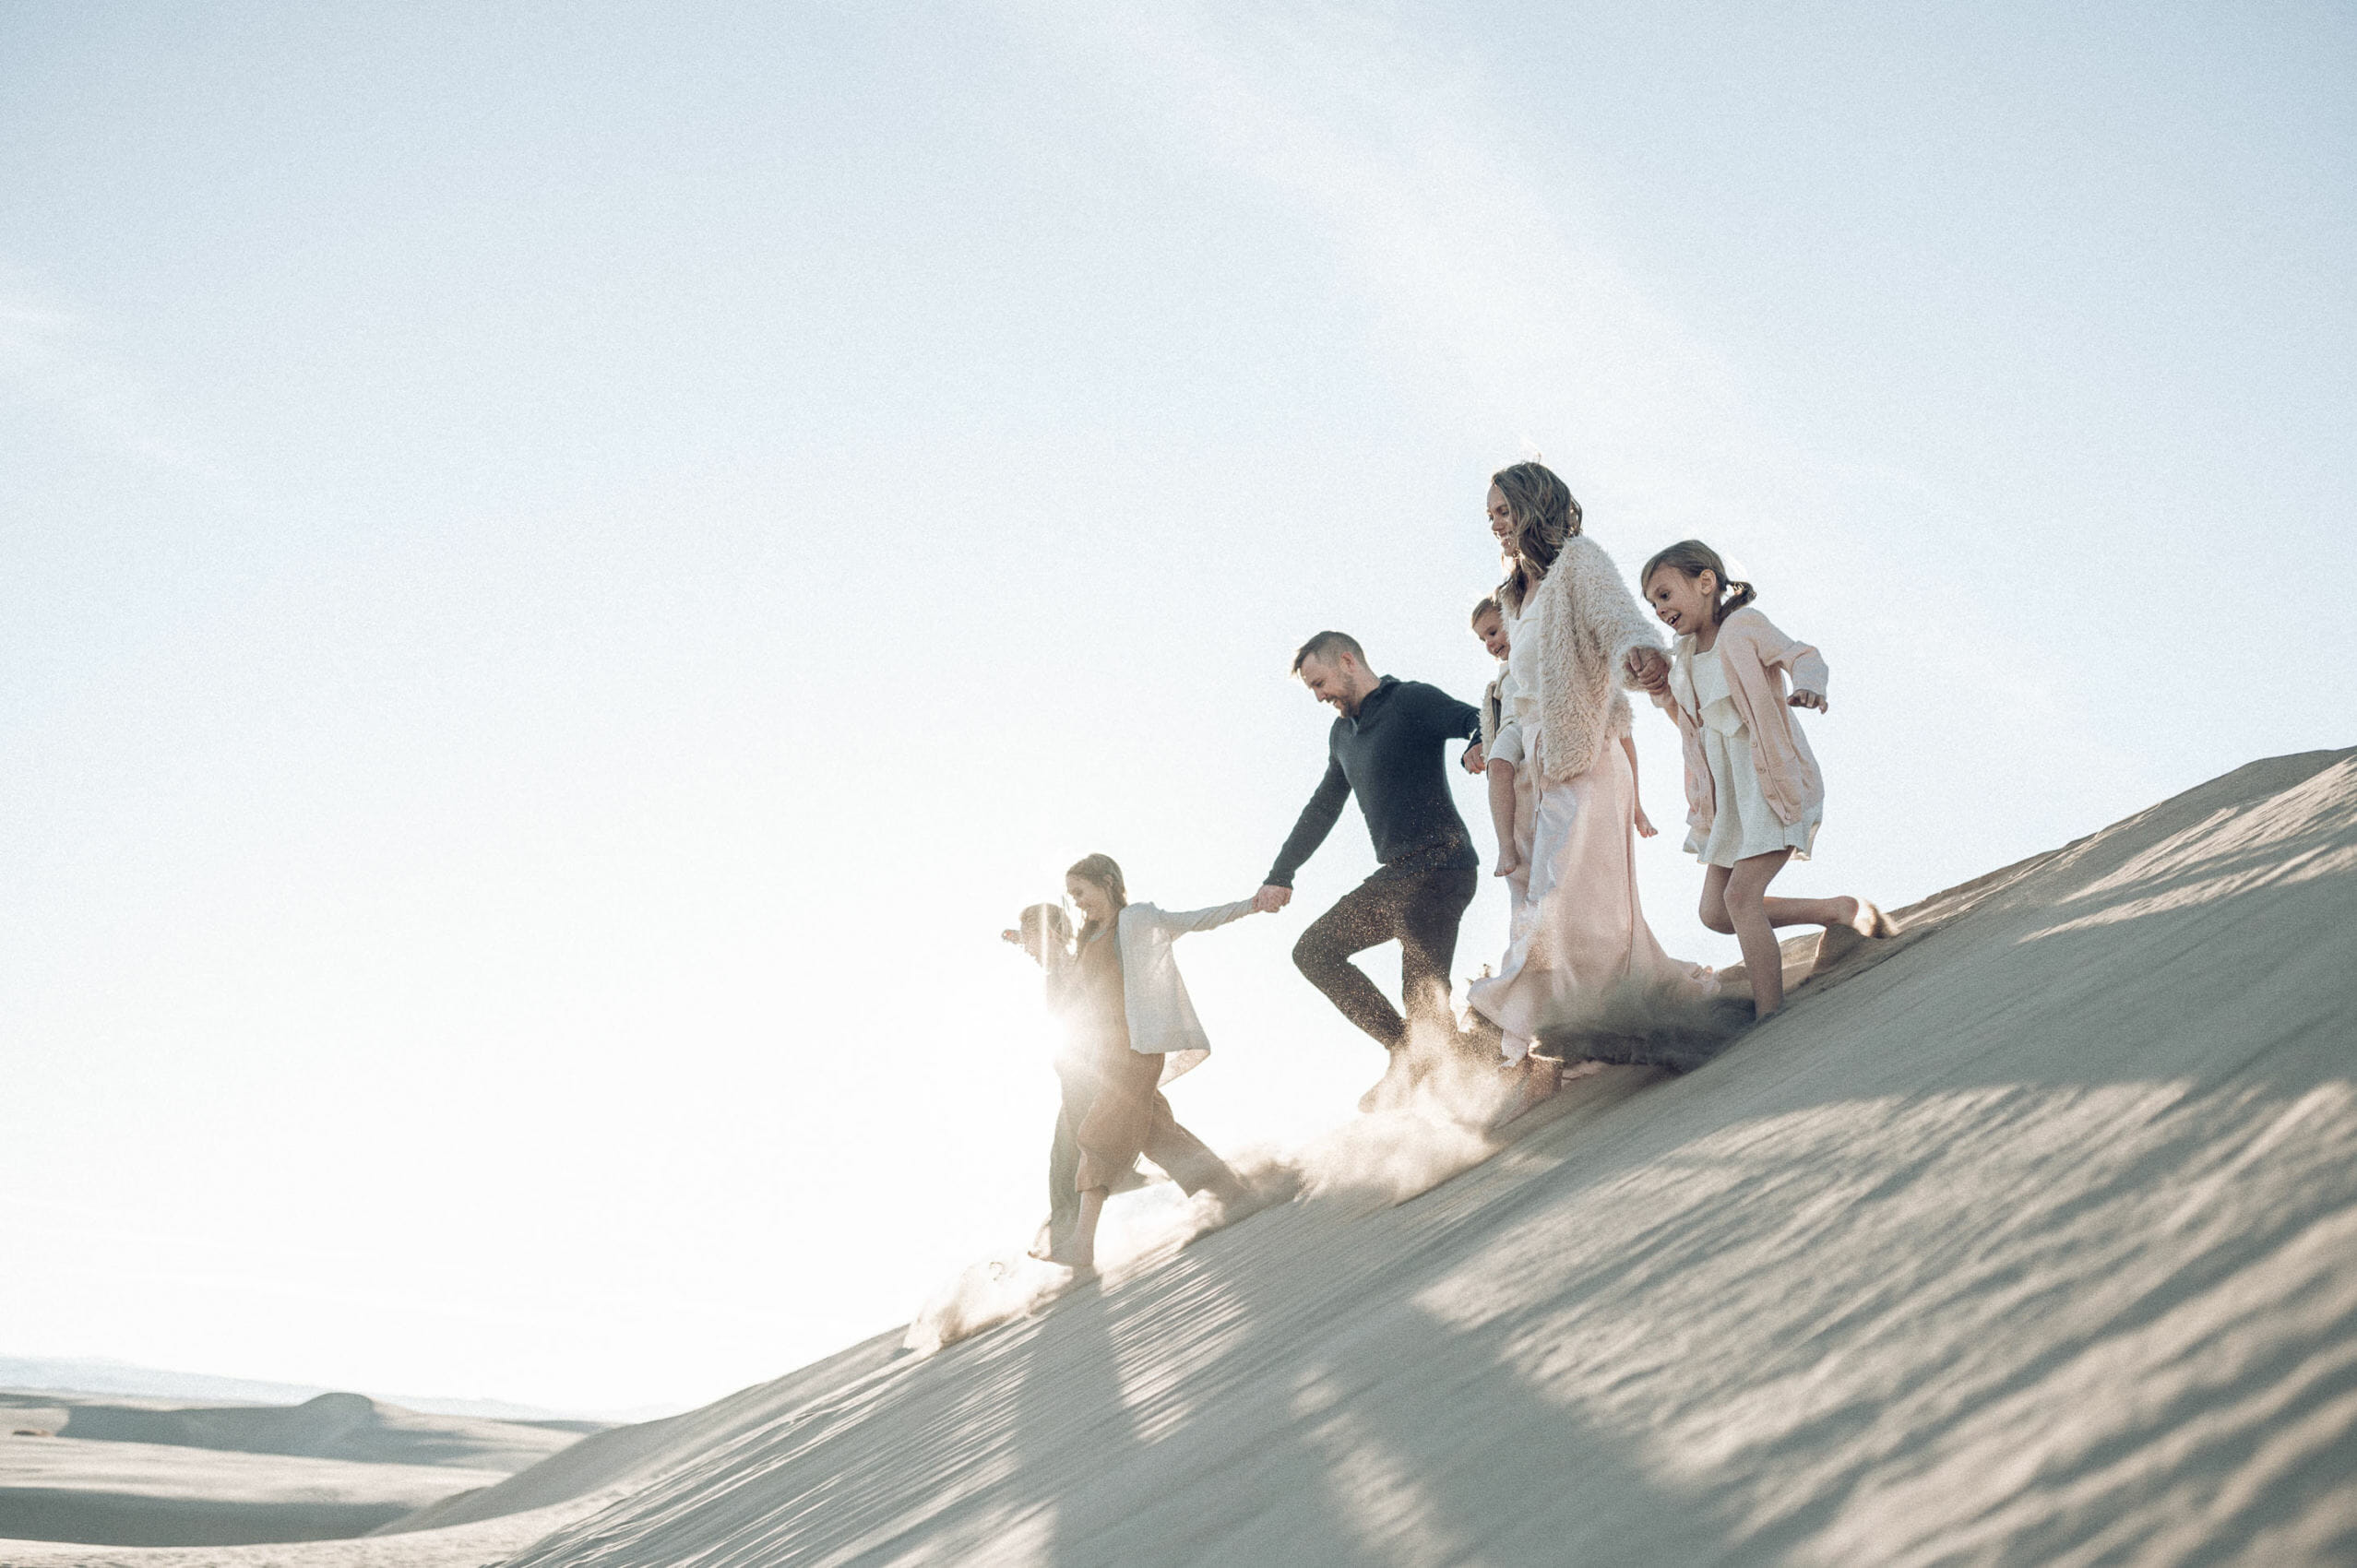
(1692, 558)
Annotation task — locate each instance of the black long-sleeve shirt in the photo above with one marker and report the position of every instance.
(1390, 753)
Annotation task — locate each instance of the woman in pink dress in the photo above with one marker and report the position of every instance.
(1578, 945)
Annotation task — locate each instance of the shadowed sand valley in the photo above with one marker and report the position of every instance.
(2028, 1236)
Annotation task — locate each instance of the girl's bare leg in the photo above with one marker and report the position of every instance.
(1081, 1253)
(1747, 900)
(1857, 915)
(1811, 911)
(1713, 911)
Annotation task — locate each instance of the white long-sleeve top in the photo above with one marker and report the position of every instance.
(1159, 1013)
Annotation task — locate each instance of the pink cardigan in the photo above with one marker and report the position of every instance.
(1756, 656)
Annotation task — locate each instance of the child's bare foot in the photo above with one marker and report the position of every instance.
(1645, 828)
(1508, 862)
(1230, 1191)
(1856, 914)
(1079, 1260)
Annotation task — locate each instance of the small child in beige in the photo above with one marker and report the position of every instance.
(1506, 748)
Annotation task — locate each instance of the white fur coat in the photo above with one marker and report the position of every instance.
(1587, 623)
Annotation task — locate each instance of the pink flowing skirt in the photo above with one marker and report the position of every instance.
(1578, 938)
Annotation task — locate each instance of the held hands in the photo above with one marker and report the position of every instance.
(1649, 668)
(1271, 899)
(1474, 761)
(1809, 699)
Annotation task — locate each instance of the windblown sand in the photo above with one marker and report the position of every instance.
(2027, 1238)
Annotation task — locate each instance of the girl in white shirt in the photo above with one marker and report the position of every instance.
(1131, 1029)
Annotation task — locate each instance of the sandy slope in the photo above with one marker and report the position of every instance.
(2033, 1242)
(2029, 1238)
(617, 1460)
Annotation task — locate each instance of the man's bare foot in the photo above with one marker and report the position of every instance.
(1390, 1091)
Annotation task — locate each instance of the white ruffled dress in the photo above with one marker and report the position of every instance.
(1742, 824)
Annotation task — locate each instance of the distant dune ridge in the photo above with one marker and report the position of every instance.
(332, 1426)
(153, 1473)
(84, 1375)
(156, 1495)
(2027, 1238)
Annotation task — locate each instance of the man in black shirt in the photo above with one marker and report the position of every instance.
(1386, 747)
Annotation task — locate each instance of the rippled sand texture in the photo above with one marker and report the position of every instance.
(2030, 1238)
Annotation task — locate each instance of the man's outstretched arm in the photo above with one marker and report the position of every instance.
(1317, 820)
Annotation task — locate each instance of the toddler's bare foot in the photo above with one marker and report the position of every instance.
(1508, 863)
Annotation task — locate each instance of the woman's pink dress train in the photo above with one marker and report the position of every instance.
(1578, 942)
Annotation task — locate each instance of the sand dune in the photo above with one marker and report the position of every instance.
(156, 1495)
(2030, 1239)
(466, 1546)
(332, 1426)
(85, 1376)
(156, 1472)
(2027, 1238)
(612, 1461)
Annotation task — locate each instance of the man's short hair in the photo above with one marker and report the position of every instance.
(1326, 645)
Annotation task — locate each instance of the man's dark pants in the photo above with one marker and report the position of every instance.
(1419, 911)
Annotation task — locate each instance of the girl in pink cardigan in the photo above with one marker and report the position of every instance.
(1753, 794)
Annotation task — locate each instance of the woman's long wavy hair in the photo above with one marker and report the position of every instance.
(1544, 516)
(1692, 558)
(1105, 873)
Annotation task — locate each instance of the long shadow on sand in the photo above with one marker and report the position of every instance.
(2030, 1242)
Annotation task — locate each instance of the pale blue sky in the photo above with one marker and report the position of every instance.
(566, 569)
